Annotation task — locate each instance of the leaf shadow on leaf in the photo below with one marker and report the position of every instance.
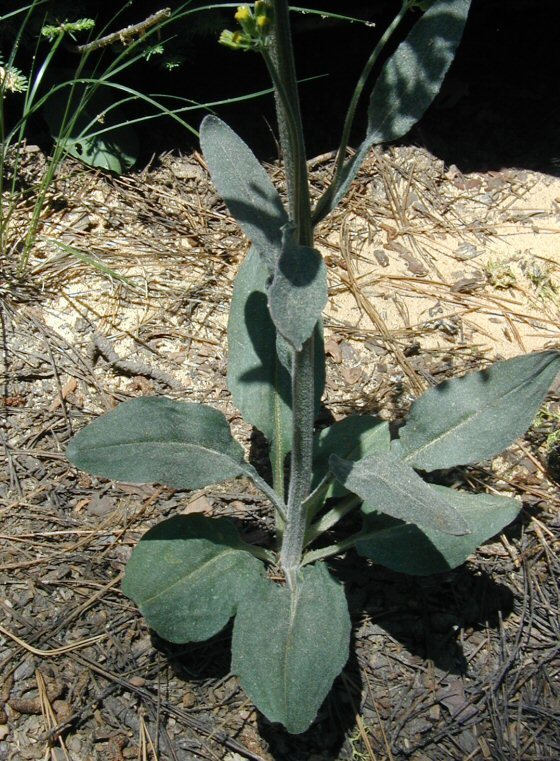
(256, 303)
(415, 82)
(269, 224)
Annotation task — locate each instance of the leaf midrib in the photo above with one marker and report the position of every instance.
(192, 574)
(465, 420)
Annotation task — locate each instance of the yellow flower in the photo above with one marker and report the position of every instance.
(243, 13)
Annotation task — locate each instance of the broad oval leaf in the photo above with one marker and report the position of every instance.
(352, 438)
(155, 439)
(259, 381)
(408, 549)
(187, 576)
(477, 416)
(392, 487)
(245, 188)
(289, 646)
(408, 83)
(298, 292)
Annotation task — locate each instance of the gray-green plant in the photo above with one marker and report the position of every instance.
(190, 574)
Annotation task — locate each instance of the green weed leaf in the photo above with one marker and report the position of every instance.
(115, 149)
(352, 438)
(298, 292)
(245, 188)
(477, 416)
(155, 439)
(187, 576)
(392, 487)
(289, 645)
(406, 548)
(258, 377)
(409, 81)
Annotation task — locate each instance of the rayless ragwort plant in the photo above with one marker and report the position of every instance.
(190, 574)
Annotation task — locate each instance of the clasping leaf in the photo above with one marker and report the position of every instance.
(298, 293)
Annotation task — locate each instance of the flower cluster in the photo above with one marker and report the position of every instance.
(68, 27)
(11, 79)
(255, 26)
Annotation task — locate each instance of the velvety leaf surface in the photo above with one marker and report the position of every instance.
(187, 576)
(261, 386)
(245, 188)
(392, 487)
(352, 438)
(406, 548)
(288, 647)
(258, 378)
(298, 292)
(477, 416)
(155, 439)
(409, 81)
(413, 75)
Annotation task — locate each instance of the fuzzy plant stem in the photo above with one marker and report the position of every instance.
(281, 64)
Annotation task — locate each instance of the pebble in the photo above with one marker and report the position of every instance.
(24, 670)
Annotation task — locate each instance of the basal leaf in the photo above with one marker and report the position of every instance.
(155, 439)
(188, 574)
(390, 486)
(298, 292)
(406, 548)
(259, 381)
(288, 646)
(477, 416)
(409, 82)
(352, 438)
(245, 188)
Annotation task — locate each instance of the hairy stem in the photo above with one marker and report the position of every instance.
(301, 456)
(281, 62)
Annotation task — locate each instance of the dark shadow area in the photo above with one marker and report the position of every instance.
(197, 661)
(425, 614)
(499, 106)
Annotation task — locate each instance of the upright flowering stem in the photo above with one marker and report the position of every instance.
(282, 67)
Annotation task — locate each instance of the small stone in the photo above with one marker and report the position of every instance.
(189, 699)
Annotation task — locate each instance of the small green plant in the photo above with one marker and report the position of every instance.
(190, 575)
(83, 106)
(83, 116)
